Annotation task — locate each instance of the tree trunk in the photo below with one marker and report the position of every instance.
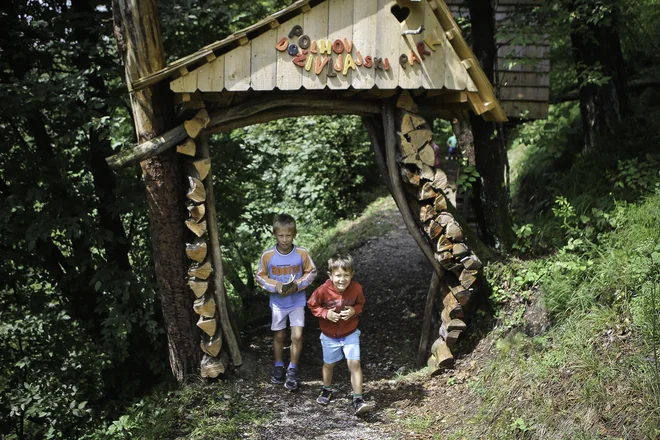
(597, 52)
(139, 41)
(490, 196)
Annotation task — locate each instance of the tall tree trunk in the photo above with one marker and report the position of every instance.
(597, 54)
(139, 41)
(490, 196)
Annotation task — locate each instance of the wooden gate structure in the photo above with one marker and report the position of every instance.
(396, 63)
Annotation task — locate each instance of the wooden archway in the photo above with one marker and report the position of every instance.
(393, 99)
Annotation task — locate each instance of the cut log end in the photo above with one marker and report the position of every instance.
(196, 251)
(202, 271)
(199, 288)
(205, 306)
(188, 148)
(406, 102)
(199, 229)
(426, 192)
(196, 190)
(197, 212)
(212, 367)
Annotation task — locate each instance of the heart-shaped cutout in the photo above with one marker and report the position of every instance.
(400, 12)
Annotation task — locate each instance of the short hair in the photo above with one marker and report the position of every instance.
(283, 221)
(340, 261)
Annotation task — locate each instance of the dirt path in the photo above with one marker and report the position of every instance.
(395, 276)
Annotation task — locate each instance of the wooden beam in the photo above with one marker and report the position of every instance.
(246, 111)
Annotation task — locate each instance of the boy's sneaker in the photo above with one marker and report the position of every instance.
(277, 375)
(361, 407)
(324, 396)
(291, 383)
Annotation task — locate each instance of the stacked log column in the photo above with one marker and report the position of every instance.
(197, 169)
(461, 266)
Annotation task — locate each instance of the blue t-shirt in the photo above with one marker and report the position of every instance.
(276, 267)
(452, 141)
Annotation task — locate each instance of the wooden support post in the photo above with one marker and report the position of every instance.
(216, 255)
(434, 288)
(389, 127)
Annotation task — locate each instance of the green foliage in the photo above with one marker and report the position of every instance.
(512, 285)
(635, 177)
(319, 176)
(466, 179)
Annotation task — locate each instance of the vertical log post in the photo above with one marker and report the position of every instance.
(219, 291)
(434, 288)
(138, 37)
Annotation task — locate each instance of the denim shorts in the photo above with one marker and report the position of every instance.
(334, 349)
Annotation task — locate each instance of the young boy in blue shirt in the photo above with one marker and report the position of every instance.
(285, 270)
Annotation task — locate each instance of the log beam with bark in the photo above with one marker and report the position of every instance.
(246, 113)
(220, 295)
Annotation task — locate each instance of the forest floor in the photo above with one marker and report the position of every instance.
(408, 403)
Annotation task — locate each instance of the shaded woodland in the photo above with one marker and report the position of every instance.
(82, 318)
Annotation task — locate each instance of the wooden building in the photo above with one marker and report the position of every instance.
(522, 80)
(393, 62)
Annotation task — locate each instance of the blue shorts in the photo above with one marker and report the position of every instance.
(334, 349)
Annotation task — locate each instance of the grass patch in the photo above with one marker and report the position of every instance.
(582, 380)
(196, 411)
(593, 375)
(419, 423)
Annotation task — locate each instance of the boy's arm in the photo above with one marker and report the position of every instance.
(359, 301)
(315, 305)
(309, 272)
(262, 275)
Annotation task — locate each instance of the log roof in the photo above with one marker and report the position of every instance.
(411, 44)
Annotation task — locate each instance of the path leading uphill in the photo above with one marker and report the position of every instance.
(395, 276)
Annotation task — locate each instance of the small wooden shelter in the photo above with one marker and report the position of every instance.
(394, 62)
(522, 71)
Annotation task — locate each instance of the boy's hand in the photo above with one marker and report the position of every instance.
(347, 313)
(332, 316)
(293, 289)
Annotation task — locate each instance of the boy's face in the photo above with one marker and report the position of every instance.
(284, 236)
(341, 278)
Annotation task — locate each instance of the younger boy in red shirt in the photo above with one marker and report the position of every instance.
(337, 303)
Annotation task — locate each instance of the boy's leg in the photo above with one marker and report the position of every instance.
(332, 353)
(296, 344)
(325, 396)
(297, 321)
(356, 375)
(292, 372)
(352, 353)
(278, 326)
(328, 370)
(277, 375)
(278, 344)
